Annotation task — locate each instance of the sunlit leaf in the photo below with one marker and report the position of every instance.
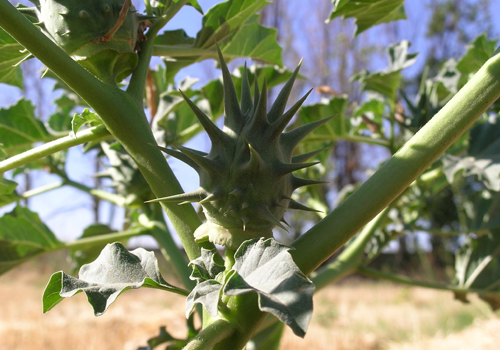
(267, 268)
(232, 25)
(368, 13)
(387, 81)
(87, 117)
(113, 272)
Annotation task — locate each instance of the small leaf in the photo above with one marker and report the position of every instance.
(368, 13)
(85, 118)
(207, 266)
(387, 81)
(7, 186)
(206, 293)
(23, 236)
(267, 268)
(113, 272)
(161, 338)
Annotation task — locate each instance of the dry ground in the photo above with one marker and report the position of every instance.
(355, 315)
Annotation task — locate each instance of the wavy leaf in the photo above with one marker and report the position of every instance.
(113, 272)
(19, 128)
(23, 236)
(267, 268)
(368, 13)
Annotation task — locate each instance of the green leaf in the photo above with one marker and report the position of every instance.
(267, 268)
(478, 264)
(85, 118)
(7, 186)
(478, 52)
(368, 13)
(387, 81)
(483, 158)
(22, 237)
(232, 25)
(113, 272)
(206, 269)
(330, 132)
(206, 293)
(255, 41)
(11, 55)
(19, 128)
(88, 254)
(162, 338)
(207, 266)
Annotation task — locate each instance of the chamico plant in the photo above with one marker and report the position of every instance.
(249, 178)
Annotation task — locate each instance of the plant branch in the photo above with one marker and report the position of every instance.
(63, 143)
(122, 114)
(351, 257)
(220, 329)
(139, 76)
(321, 241)
(177, 51)
(106, 238)
(369, 272)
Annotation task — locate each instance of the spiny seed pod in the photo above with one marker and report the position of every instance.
(246, 180)
(94, 34)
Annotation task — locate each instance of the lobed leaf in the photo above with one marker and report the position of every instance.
(267, 268)
(368, 13)
(87, 117)
(234, 26)
(387, 81)
(23, 236)
(113, 272)
(208, 266)
(19, 128)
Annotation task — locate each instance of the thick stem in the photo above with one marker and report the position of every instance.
(172, 253)
(213, 334)
(351, 258)
(320, 242)
(63, 143)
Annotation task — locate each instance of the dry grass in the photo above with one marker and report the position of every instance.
(354, 315)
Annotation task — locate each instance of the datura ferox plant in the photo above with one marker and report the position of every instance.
(246, 180)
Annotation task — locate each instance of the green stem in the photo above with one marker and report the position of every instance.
(351, 257)
(320, 242)
(211, 335)
(106, 238)
(122, 114)
(349, 138)
(176, 51)
(170, 250)
(63, 143)
(138, 79)
(107, 196)
(369, 272)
